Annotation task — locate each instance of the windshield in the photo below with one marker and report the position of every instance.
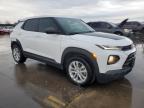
(74, 26)
(114, 25)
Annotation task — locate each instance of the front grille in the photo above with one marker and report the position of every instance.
(126, 48)
(130, 61)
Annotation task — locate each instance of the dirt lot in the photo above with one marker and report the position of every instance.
(36, 85)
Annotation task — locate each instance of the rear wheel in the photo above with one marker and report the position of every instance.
(79, 71)
(18, 54)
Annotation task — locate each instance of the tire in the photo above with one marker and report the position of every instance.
(118, 33)
(78, 75)
(18, 54)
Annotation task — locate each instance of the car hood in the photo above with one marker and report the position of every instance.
(100, 38)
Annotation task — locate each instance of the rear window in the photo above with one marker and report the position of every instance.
(31, 25)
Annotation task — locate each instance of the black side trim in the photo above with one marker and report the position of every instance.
(75, 50)
(49, 61)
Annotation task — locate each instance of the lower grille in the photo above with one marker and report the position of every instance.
(130, 61)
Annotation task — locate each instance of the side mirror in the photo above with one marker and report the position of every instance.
(51, 30)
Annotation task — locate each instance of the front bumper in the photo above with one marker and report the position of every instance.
(112, 75)
(117, 74)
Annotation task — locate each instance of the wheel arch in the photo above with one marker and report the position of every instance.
(88, 57)
(70, 51)
(16, 42)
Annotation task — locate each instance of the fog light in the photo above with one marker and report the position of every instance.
(94, 56)
(113, 59)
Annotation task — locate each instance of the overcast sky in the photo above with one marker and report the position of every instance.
(88, 10)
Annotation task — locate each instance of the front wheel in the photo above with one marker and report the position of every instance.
(18, 54)
(79, 71)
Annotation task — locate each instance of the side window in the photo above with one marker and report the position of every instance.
(96, 25)
(105, 25)
(46, 23)
(138, 24)
(132, 23)
(31, 25)
(108, 25)
(128, 23)
(90, 24)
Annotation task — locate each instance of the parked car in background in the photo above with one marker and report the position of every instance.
(1, 31)
(4, 31)
(8, 29)
(109, 28)
(135, 26)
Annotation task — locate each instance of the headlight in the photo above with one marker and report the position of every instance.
(109, 47)
(127, 30)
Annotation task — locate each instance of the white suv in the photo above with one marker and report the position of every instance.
(71, 45)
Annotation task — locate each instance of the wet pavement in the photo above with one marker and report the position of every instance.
(36, 85)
